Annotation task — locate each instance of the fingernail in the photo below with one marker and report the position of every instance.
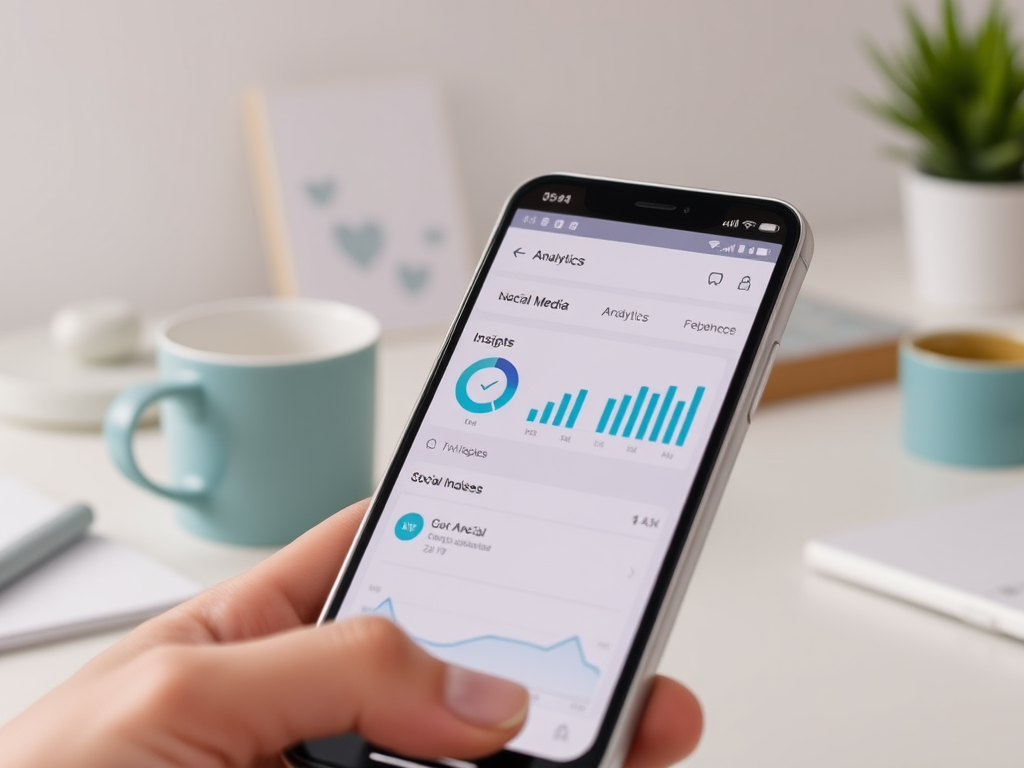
(484, 700)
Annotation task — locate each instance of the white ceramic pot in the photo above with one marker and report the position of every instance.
(966, 241)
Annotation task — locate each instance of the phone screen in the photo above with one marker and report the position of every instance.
(529, 519)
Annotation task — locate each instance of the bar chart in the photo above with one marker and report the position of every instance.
(565, 405)
(643, 415)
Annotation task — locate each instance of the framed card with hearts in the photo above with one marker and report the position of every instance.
(357, 190)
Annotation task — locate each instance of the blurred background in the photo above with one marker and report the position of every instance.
(122, 162)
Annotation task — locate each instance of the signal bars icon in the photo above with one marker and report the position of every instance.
(731, 223)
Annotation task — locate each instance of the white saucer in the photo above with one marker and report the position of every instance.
(41, 386)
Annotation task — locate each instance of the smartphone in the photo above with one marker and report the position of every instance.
(546, 505)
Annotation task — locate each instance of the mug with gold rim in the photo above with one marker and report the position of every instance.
(963, 397)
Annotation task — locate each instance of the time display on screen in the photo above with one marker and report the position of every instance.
(556, 197)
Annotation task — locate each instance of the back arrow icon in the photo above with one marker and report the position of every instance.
(518, 252)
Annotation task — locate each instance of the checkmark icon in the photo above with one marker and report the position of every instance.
(471, 389)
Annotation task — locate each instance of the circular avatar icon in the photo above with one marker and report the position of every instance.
(487, 385)
(409, 526)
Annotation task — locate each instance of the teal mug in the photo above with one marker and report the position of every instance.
(267, 407)
(963, 397)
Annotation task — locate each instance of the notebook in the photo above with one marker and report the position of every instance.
(94, 585)
(965, 560)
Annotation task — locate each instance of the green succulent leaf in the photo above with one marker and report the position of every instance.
(959, 93)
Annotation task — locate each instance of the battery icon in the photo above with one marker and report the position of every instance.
(769, 227)
(762, 251)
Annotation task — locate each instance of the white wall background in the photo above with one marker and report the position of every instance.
(122, 170)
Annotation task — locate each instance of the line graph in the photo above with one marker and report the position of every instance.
(561, 667)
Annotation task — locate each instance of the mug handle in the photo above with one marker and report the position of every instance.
(123, 417)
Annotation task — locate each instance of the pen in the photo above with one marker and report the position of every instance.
(40, 544)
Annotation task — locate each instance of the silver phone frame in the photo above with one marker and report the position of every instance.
(636, 696)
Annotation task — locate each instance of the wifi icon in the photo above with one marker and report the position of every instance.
(714, 243)
(748, 224)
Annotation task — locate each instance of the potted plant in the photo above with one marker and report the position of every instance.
(959, 94)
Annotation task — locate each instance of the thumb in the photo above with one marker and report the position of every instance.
(258, 697)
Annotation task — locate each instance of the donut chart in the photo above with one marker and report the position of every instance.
(486, 385)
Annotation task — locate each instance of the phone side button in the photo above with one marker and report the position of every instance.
(763, 382)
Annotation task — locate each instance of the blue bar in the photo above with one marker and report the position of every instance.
(576, 409)
(605, 415)
(676, 413)
(619, 414)
(697, 395)
(547, 413)
(532, 415)
(662, 413)
(640, 397)
(562, 408)
(647, 416)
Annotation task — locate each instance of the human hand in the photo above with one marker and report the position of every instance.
(237, 674)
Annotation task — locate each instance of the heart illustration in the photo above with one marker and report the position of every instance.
(320, 191)
(433, 236)
(361, 244)
(413, 279)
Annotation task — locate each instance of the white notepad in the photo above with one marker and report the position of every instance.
(22, 510)
(94, 585)
(965, 560)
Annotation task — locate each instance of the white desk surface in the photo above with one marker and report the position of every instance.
(793, 670)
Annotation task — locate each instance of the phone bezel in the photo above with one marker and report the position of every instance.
(674, 207)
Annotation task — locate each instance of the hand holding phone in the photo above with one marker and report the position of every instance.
(501, 469)
(236, 674)
(547, 503)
